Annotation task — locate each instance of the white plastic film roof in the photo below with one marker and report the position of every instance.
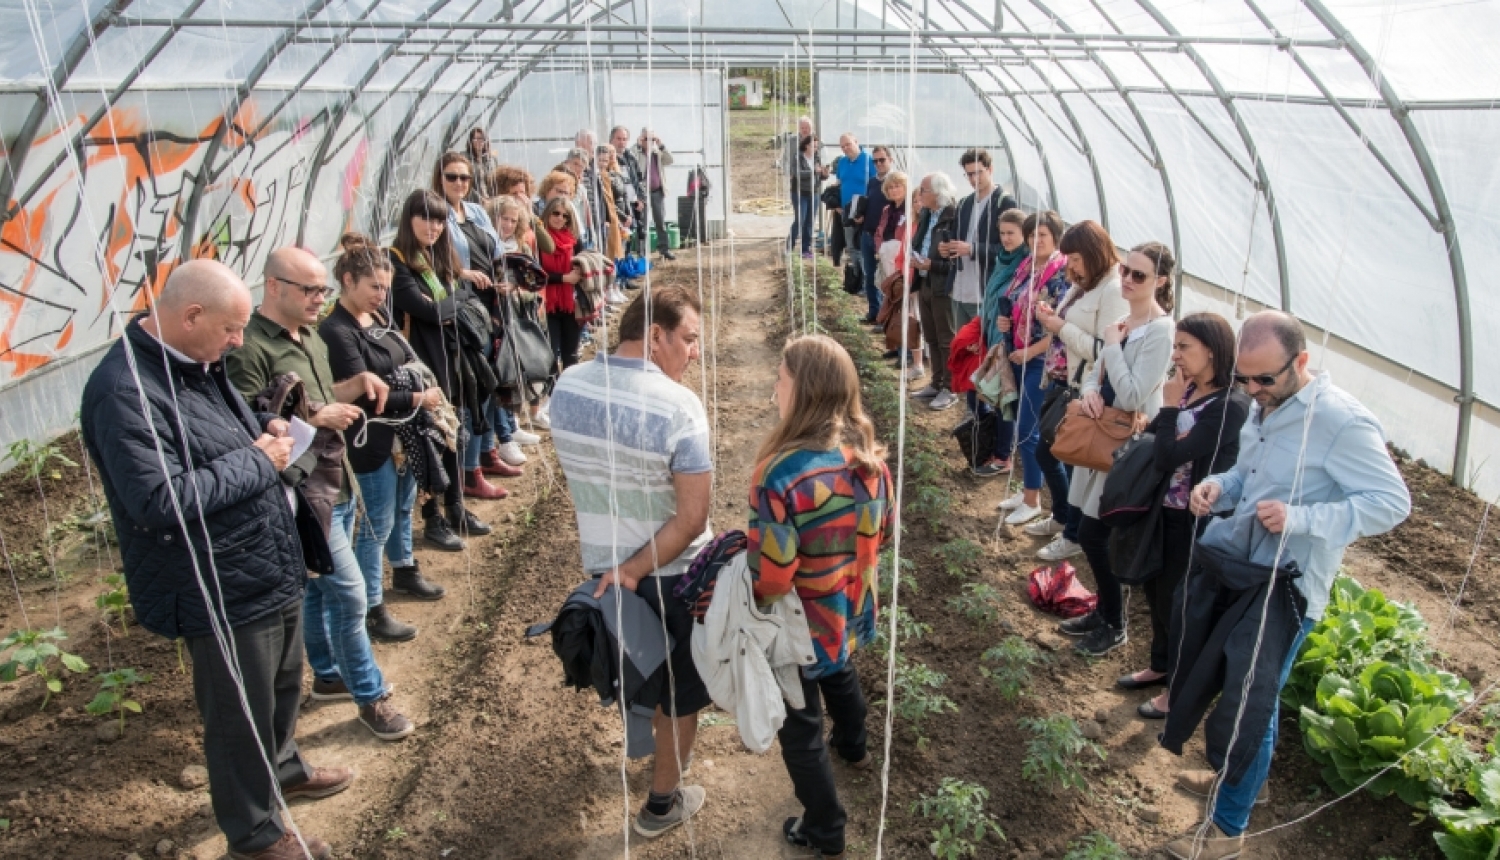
(1328, 157)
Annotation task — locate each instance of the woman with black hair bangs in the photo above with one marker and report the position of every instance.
(426, 291)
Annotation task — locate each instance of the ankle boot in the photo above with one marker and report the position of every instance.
(439, 535)
(463, 521)
(491, 464)
(476, 487)
(408, 580)
(383, 628)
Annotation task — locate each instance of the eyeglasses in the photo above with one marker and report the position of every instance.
(972, 174)
(308, 290)
(1265, 380)
(458, 177)
(1135, 276)
(880, 160)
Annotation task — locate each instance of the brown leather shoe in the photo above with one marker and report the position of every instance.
(1200, 783)
(1212, 844)
(476, 487)
(287, 848)
(325, 781)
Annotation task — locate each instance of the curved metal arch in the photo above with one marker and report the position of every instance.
(1156, 158)
(1262, 180)
(1446, 225)
(26, 135)
(241, 94)
(340, 111)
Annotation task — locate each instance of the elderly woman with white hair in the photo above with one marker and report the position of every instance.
(932, 280)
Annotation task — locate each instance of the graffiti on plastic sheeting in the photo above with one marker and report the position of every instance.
(79, 252)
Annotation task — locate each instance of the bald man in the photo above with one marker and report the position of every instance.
(279, 340)
(208, 539)
(1313, 475)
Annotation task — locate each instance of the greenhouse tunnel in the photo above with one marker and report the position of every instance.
(1326, 157)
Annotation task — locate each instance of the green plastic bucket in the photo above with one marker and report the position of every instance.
(674, 236)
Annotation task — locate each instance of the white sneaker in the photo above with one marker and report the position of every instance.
(944, 399)
(925, 394)
(1059, 549)
(915, 373)
(1045, 528)
(510, 452)
(617, 296)
(523, 437)
(1011, 503)
(1022, 515)
(541, 421)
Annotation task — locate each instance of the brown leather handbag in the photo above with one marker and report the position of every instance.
(1091, 442)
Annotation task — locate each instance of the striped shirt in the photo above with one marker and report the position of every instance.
(622, 429)
(817, 525)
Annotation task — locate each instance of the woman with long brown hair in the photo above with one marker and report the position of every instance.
(820, 510)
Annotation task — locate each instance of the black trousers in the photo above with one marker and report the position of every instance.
(1163, 592)
(1093, 536)
(565, 333)
(658, 216)
(806, 754)
(269, 651)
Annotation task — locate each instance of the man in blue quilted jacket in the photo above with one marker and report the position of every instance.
(215, 549)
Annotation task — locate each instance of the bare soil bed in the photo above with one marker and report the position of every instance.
(507, 763)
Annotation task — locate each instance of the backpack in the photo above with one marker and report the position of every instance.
(977, 439)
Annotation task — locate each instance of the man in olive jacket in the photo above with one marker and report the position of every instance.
(211, 545)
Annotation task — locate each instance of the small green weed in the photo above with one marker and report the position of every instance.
(34, 459)
(115, 601)
(34, 650)
(1012, 661)
(958, 809)
(395, 834)
(1095, 846)
(917, 697)
(1053, 755)
(959, 556)
(114, 692)
(978, 602)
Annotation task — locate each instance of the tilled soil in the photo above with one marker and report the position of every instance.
(507, 763)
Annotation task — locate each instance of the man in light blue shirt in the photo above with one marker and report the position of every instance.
(1313, 475)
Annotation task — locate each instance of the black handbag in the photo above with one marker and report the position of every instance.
(1055, 407)
(832, 198)
(976, 439)
(525, 353)
(854, 283)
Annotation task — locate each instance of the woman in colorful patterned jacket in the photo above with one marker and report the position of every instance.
(820, 510)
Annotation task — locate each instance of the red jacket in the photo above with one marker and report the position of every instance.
(962, 362)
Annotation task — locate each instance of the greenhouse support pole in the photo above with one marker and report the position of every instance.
(26, 134)
(1445, 224)
(1261, 179)
(241, 95)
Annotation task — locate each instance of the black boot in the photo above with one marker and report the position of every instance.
(463, 521)
(383, 628)
(437, 532)
(408, 580)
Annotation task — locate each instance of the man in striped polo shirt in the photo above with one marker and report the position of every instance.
(633, 443)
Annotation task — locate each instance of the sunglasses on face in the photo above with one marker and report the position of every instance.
(458, 177)
(1265, 380)
(881, 160)
(1135, 276)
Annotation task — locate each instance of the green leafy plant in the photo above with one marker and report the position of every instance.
(1472, 833)
(930, 503)
(1009, 666)
(908, 629)
(916, 696)
(887, 571)
(1095, 846)
(959, 556)
(1359, 627)
(1054, 756)
(34, 650)
(395, 834)
(978, 602)
(1364, 724)
(961, 822)
(35, 459)
(115, 600)
(114, 694)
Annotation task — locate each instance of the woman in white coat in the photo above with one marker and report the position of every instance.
(1129, 375)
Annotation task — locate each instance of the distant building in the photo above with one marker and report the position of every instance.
(745, 93)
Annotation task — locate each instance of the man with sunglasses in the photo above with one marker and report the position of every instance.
(1313, 475)
(280, 339)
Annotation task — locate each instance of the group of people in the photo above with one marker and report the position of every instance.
(1266, 470)
(262, 465)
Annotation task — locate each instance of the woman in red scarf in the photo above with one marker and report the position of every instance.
(562, 323)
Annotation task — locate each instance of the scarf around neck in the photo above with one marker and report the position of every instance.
(1001, 276)
(1026, 289)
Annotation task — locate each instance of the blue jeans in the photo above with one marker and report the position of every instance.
(1029, 379)
(1059, 477)
(334, 618)
(476, 441)
(802, 219)
(502, 425)
(1232, 810)
(870, 268)
(389, 498)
